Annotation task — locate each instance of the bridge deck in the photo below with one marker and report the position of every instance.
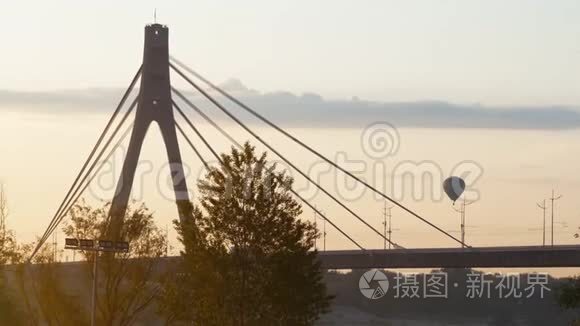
(510, 257)
(526, 256)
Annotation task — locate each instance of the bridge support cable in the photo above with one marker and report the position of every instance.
(289, 188)
(195, 130)
(302, 144)
(95, 162)
(227, 112)
(78, 193)
(197, 153)
(65, 212)
(94, 175)
(205, 116)
(67, 202)
(100, 139)
(98, 143)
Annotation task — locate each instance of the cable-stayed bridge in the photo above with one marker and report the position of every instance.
(156, 102)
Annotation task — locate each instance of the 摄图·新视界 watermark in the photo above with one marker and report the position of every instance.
(376, 284)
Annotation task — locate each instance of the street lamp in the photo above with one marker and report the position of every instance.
(553, 198)
(96, 246)
(316, 217)
(461, 211)
(323, 232)
(543, 208)
(387, 223)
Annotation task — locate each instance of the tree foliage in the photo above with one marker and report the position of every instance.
(31, 294)
(44, 293)
(10, 312)
(128, 282)
(8, 245)
(247, 257)
(569, 296)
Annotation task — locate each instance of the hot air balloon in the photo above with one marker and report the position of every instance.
(454, 187)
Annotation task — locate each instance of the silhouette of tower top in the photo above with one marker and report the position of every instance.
(155, 29)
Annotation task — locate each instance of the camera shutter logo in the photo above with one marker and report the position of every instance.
(373, 284)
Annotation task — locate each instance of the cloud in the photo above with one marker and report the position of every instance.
(234, 85)
(63, 101)
(547, 181)
(311, 110)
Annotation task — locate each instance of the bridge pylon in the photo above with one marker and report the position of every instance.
(154, 105)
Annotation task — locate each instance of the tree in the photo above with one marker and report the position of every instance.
(39, 285)
(10, 312)
(8, 246)
(247, 257)
(43, 290)
(128, 282)
(568, 296)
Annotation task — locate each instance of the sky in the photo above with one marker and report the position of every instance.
(520, 52)
(379, 59)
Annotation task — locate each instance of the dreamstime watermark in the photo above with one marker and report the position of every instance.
(380, 142)
(417, 180)
(374, 285)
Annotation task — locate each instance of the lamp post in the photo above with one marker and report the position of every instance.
(553, 198)
(543, 208)
(315, 219)
(387, 223)
(316, 228)
(461, 211)
(96, 246)
(323, 234)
